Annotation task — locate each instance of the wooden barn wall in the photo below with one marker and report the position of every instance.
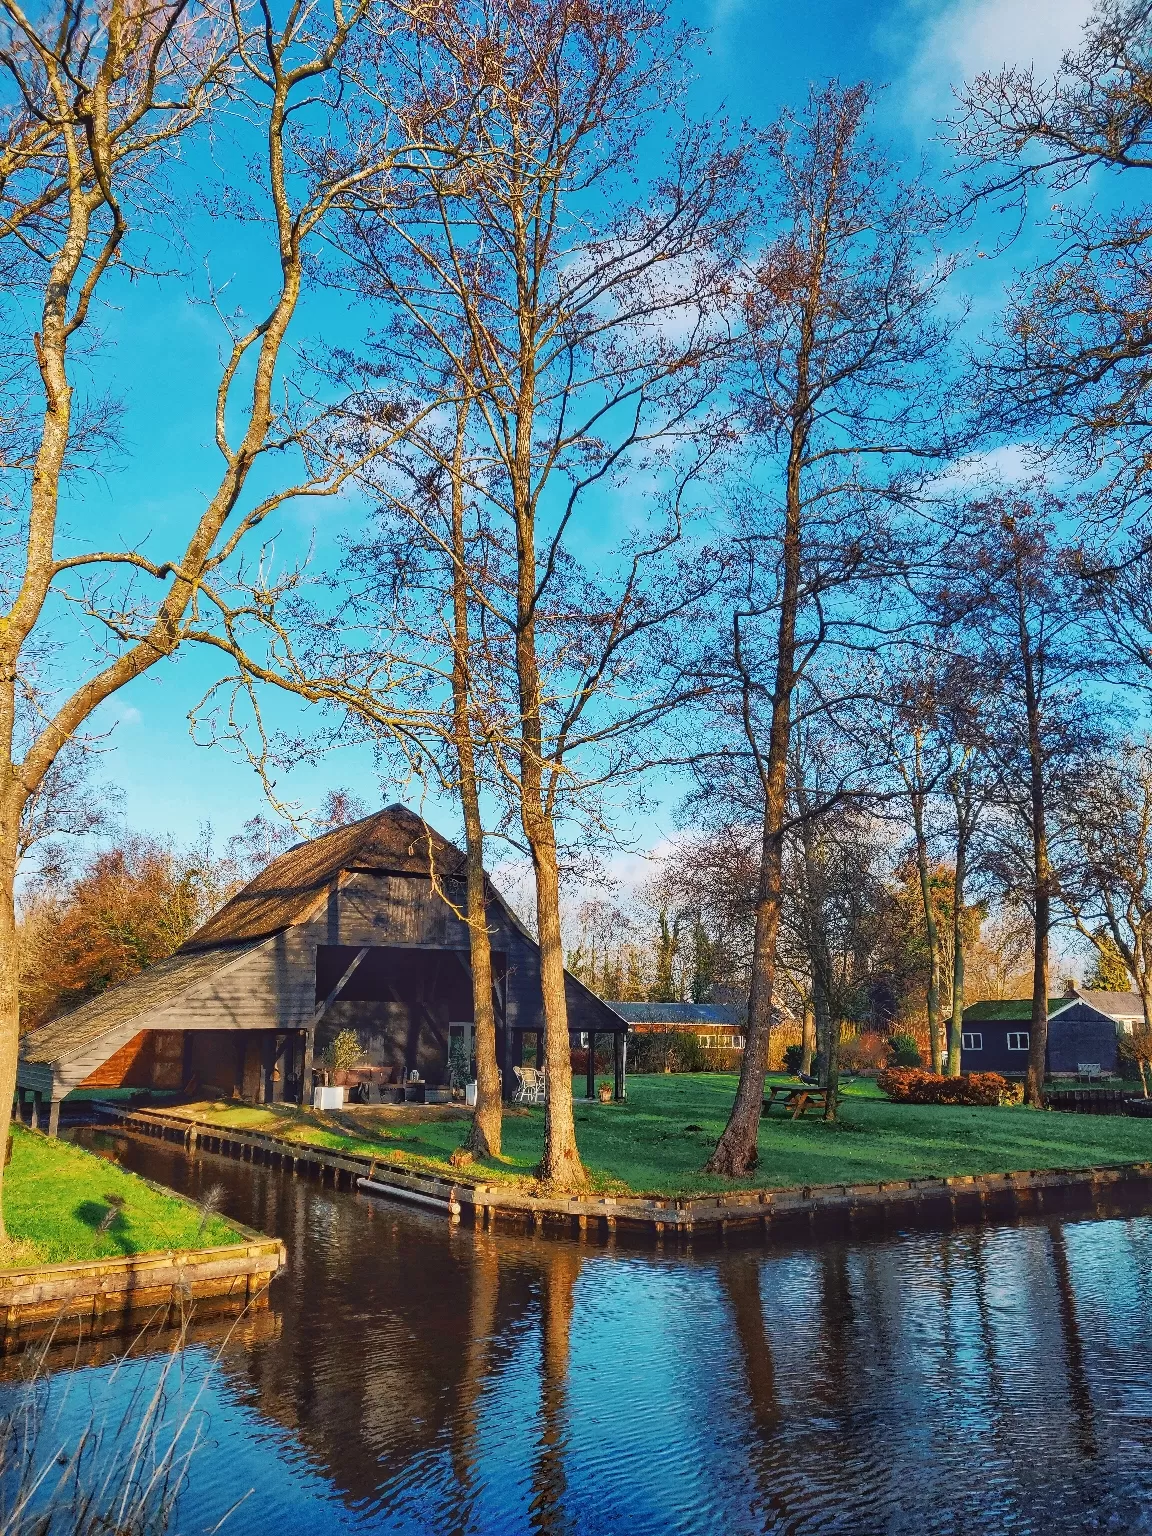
(154, 1058)
(274, 985)
(391, 1037)
(1079, 1034)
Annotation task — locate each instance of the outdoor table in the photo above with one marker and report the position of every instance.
(799, 1099)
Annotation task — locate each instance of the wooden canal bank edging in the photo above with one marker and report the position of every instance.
(103, 1295)
(961, 1199)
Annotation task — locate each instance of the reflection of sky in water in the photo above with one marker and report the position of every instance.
(409, 1378)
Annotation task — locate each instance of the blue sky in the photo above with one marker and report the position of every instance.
(760, 55)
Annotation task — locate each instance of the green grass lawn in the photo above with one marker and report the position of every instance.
(60, 1204)
(658, 1141)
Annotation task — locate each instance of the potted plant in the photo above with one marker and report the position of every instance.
(604, 1093)
(340, 1055)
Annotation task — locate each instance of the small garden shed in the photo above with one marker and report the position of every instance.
(358, 929)
(996, 1036)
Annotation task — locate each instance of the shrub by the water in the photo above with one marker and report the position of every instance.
(911, 1085)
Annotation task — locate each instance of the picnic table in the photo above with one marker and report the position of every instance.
(798, 1098)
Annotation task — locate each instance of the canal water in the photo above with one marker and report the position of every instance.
(409, 1377)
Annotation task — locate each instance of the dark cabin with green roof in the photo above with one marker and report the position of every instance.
(996, 1036)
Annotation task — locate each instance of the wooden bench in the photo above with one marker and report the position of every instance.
(798, 1100)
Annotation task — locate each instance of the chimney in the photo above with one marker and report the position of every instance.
(1069, 986)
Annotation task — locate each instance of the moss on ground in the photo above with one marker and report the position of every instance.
(658, 1142)
(64, 1204)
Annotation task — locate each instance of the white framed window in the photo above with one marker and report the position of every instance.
(1018, 1040)
(972, 1042)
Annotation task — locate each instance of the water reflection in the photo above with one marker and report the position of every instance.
(415, 1378)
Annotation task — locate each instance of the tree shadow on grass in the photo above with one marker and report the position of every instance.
(107, 1219)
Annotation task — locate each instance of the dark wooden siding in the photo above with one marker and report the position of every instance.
(276, 985)
(1079, 1034)
(994, 1055)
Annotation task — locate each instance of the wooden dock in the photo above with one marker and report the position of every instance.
(102, 1296)
(751, 1213)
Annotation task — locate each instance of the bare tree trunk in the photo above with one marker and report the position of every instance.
(931, 934)
(1041, 869)
(808, 1040)
(736, 1151)
(832, 1077)
(560, 1165)
(956, 1027)
(487, 1123)
(823, 1027)
(9, 969)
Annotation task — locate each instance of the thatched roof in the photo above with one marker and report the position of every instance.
(393, 841)
(159, 984)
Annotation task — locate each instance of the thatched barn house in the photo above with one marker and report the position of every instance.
(360, 929)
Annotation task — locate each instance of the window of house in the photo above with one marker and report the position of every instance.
(1018, 1040)
(972, 1042)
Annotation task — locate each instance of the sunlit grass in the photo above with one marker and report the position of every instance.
(63, 1204)
(658, 1142)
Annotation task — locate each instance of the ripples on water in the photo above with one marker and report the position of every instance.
(410, 1378)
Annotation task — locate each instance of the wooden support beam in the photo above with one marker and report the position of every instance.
(323, 1008)
(54, 1117)
(591, 1063)
(618, 1049)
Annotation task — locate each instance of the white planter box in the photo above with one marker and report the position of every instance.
(470, 1094)
(327, 1098)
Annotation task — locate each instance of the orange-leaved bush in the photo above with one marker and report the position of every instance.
(913, 1085)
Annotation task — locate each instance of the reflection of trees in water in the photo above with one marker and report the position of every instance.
(474, 1373)
(407, 1359)
(549, 1480)
(740, 1279)
(1079, 1388)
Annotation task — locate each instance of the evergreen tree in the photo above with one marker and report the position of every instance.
(1108, 973)
(703, 963)
(664, 989)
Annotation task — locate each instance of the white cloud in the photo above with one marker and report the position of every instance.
(957, 40)
(1011, 464)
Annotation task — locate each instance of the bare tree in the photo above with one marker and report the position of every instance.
(841, 340)
(589, 328)
(1108, 888)
(912, 720)
(98, 100)
(1072, 367)
(1015, 594)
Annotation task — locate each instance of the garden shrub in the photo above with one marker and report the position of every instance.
(905, 1051)
(912, 1085)
(670, 1050)
(863, 1053)
(793, 1058)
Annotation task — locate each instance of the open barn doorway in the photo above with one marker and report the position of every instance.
(402, 1002)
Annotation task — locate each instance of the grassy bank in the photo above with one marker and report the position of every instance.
(63, 1204)
(658, 1141)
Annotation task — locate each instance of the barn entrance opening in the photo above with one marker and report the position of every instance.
(404, 1004)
